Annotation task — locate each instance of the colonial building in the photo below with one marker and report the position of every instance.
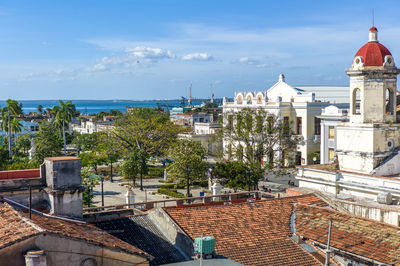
(290, 104)
(331, 116)
(367, 146)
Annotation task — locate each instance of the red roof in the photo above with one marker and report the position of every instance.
(373, 53)
(254, 233)
(373, 28)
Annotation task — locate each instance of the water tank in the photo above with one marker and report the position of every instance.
(384, 198)
(207, 246)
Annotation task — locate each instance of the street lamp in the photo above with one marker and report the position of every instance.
(102, 190)
(111, 172)
(187, 180)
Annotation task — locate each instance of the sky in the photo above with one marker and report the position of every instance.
(137, 50)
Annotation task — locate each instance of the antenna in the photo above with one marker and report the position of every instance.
(190, 95)
(373, 18)
(212, 94)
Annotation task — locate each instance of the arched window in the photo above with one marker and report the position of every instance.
(249, 100)
(259, 99)
(240, 99)
(356, 102)
(389, 101)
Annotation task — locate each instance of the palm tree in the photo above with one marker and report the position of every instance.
(40, 109)
(63, 115)
(16, 127)
(13, 108)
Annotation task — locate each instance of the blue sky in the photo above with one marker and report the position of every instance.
(127, 49)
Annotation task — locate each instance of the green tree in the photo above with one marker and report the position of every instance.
(65, 113)
(147, 130)
(188, 162)
(47, 143)
(24, 143)
(15, 127)
(254, 134)
(131, 166)
(40, 109)
(235, 175)
(12, 108)
(92, 147)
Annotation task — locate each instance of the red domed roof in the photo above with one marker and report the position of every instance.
(373, 53)
(373, 29)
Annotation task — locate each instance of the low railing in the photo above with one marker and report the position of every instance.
(19, 174)
(191, 201)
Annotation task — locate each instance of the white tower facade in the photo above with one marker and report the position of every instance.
(370, 138)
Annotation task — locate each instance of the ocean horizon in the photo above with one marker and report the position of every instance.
(96, 106)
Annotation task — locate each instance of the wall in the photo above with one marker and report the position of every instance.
(172, 230)
(64, 251)
(63, 172)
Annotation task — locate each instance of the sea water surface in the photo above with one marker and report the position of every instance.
(96, 106)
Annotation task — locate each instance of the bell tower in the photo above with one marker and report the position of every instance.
(372, 134)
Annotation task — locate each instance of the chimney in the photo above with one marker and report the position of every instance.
(64, 185)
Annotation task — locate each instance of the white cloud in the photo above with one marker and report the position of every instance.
(198, 57)
(149, 53)
(131, 57)
(254, 62)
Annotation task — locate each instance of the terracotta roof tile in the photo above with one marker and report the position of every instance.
(357, 235)
(15, 226)
(256, 233)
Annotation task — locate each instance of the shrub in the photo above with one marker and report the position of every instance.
(170, 192)
(22, 165)
(154, 171)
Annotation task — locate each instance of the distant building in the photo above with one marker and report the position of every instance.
(332, 94)
(88, 125)
(190, 118)
(331, 116)
(288, 104)
(205, 134)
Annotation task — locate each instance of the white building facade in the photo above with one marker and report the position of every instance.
(330, 118)
(291, 105)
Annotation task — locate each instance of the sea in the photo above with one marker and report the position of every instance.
(87, 107)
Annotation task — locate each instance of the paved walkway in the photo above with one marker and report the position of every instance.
(114, 192)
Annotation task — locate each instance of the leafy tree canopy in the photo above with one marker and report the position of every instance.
(188, 155)
(47, 143)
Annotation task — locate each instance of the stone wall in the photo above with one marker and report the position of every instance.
(60, 250)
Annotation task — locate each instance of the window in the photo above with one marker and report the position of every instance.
(298, 125)
(240, 99)
(230, 122)
(286, 128)
(37, 128)
(259, 99)
(389, 102)
(317, 126)
(249, 100)
(32, 128)
(331, 132)
(356, 101)
(331, 154)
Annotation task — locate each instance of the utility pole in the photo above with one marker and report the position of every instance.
(30, 202)
(9, 137)
(190, 96)
(328, 251)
